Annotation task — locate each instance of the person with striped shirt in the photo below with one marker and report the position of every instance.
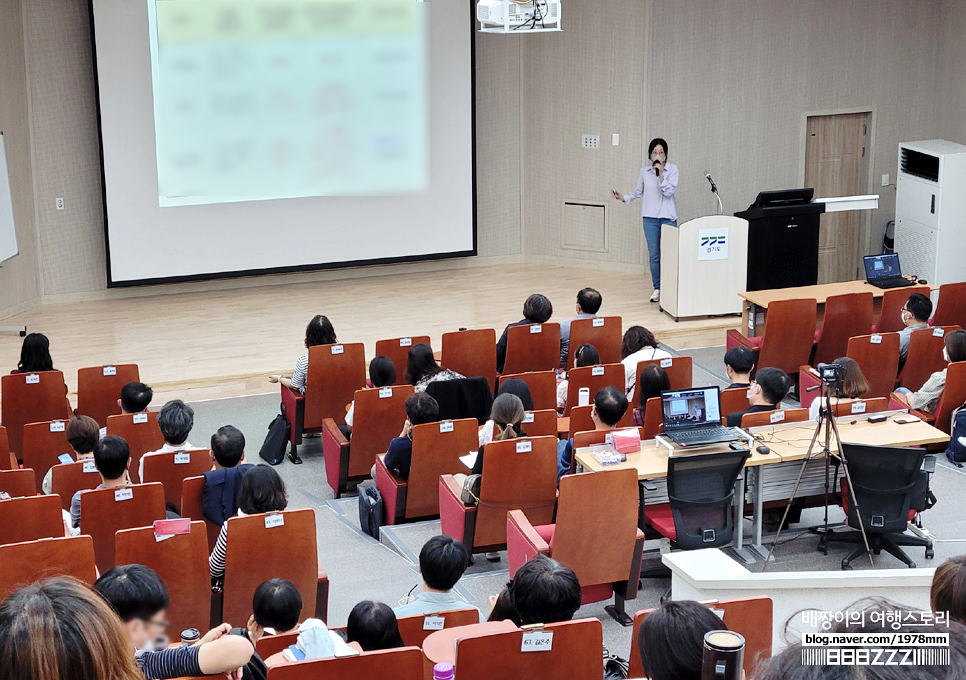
(318, 332)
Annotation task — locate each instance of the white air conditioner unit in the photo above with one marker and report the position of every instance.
(506, 16)
(930, 231)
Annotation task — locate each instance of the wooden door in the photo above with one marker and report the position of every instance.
(835, 165)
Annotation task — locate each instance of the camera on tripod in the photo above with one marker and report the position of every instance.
(830, 373)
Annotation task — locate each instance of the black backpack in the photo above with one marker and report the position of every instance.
(370, 509)
(273, 449)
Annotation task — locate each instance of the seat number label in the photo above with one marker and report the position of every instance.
(524, 447)
(446, 426)
(123, 494)
(598, 323)
(110, 370)
(89, 466)
(433, 622)
(275, 520)
(182, 458)
(536, 328)
(33, 379)
(938, 332)
(667, 363)
(776, 417)
(876, 339)
(140, 418)
(405, 342)
(57, 426)
(338, 349)
(528, 417)
(537, 641)
(597, 371)
(858, 407)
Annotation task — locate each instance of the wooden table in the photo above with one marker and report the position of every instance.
(753, 314)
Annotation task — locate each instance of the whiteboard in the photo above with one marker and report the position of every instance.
(8, 234)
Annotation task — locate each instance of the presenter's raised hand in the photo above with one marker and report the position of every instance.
(617, 195)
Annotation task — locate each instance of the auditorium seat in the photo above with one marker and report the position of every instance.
(787, 339)
(542, 422)
(595, 378)
(951, 306)
(788, 415)
(397, 349)
(878, 360)
(42, 444)
(142, 434)
(172, 468)
(679, 371)
(437, 448)
(8, 461)
(861, 406)
(30, 561)
(104, 512)
(334, 374)
(182, 563)
(580, 420)
(19, 483)
(517, 474)
(99, 388)
(30, 518)
(542, 385)
(273, 644)
(413, 628)
(890, 312)
(595, 534)
(66, 480)
(532, 347)
(31, 398)
(405, 663)
(925, 356)
(380, 414)
(471, 353)
(953, 397)
(603, 332)
(191, 490)
(845, 316)
(732, 401)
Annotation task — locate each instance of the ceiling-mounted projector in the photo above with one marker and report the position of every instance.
(511, 13)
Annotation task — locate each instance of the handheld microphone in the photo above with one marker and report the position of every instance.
(707, 176)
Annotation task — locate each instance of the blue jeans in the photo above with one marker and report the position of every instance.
(652, 234)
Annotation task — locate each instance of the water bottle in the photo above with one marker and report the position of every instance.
(443, 671)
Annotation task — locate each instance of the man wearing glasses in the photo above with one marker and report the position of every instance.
(915, 315)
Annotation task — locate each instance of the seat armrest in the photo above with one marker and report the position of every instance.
(734, 338)
(455, 517)
(322, 596)
(899, 400)
(335, 455)
(392, 487)
(330, 426)
(522, 540)
(451, 486)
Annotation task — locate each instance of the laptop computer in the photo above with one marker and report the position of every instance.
(693, 416)
(883, 271)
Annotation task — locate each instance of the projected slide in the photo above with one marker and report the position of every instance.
(266, 100)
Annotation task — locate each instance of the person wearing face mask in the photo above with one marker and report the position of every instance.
(915, 315)
(927, 398)
(765, 393)
(656, 185)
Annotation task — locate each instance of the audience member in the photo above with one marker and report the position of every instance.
(422, 369)
(536, 309)
(506, 417)
(82, 435)
(671, 640)
(140, 598)
(382, 373)
(175, 420)
(610, 405)
(135, 398)
(542, 591)
(638, 345)
(261, 490)
(112, 458)
(652, 382)
(948, 592)
(739, 363)
(765, 393)
(276, 609)
(373, 626)
(420, 409)
(219, 496)
(927, 398)
(517, 388)
(915, 315)
(35, 354)
(59, 630)
(850, 386)
(588, 304)
(442, 562)
(585, 355)
(318, 332)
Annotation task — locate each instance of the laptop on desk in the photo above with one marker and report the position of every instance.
(883, 271)
(693, 417)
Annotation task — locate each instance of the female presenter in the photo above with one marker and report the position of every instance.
(655, 187)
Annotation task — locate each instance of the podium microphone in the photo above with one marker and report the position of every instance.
(707, 176)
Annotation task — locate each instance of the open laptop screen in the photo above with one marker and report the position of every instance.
(688, 408)
(882, 266)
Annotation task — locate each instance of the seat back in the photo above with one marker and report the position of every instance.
(574, 653)
(596, 526)
(951, 306)
(788, 415)
(925, 356)
(604, 333)
(66, 480)
(99, 387)
(104, 512)
(471, 353)
(405, 663)
(182, 563)
(31, 398)
(593, 377)
(542, 384)
(171, 469)
(31, 561)
(878, 360)
(679, 371)
(884, 480)
(540, 423)
(42, 444)
(532, 347)
(653, 419)
(845, 316)
(518, 474)
(412, 628)
(849, 408)
(30, 518)
(273, 644)
(18, 483)
(437, 448)
(890, 312)
(335, 373)
(142, 434)
(734, 400)
(397, 349)
(7, 462)
(789, 334)
(594, 437)
(269, 545)
(953, 396)
(191, 490)
(700, 489)
(580, 420)
(379, 416)
(750, 617)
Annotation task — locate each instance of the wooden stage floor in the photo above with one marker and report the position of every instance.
(223, 343)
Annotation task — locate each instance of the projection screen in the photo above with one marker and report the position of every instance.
(260, 136)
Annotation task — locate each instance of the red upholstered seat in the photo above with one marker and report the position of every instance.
(661, 520)
(756, 341)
